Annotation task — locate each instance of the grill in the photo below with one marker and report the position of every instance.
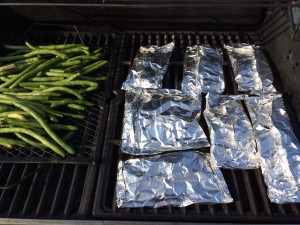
(247, 187)
(82, 187)
(88, 137)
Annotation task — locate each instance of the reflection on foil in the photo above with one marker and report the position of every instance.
(251, 69)
(203, 71)
(149, 67)
(160, 120)
(278, 147)
(178, 179)
(231, 134)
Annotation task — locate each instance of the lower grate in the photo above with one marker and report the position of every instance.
(251, 203)
(90, 131)
(45, 191)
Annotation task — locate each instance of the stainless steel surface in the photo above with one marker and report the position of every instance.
(161, 120)
(232, 140)
(178, 179)
(278, 147)
(251, 69)
(149, 67)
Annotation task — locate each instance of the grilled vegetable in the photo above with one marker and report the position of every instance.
(42, 85)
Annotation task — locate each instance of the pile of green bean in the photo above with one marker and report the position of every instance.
(42, 85)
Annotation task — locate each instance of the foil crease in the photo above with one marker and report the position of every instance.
(251, 69)
(231, 135)
(149, 67)
(203, 71)
(161, 120)
(178, 179)
(278, 147)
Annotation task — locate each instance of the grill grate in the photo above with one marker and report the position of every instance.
(247, 187)
(90, 131)
(48, 191)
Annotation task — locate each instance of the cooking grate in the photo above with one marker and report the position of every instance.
(247, 187)
(46, 191)
(90, 131)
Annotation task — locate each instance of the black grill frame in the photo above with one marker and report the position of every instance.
(247, 187)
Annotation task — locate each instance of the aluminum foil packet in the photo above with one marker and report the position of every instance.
(177, 179)
(161, 120)
(231, 135)
(203, 71)
(251, 69)
(278, 147)
(149, 67)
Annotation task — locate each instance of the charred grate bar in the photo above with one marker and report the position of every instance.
(91, 130)
(247, 187)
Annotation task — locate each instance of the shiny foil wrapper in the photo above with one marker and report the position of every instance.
(211, 70)
(231, 135)
(161, 120)
(177, 179)
(251, 69)
(149, 67)
(191, 82)
(203, 71)
(278, 147)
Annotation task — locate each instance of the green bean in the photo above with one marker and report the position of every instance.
(93, 78)
(83, 57)
(50, 132)
(57, 70)
(89, 69)
(14, 79)
(75, 50)
(18, 52)
(5, 114)
(18, 69)
(12, 58)
(30, 46)
(30, 141)
(45, 52)
(6, 145)
(36, 93)
(98, 50)
(7, 67)
(56, 103)
(33, 134)
(68, 63)
(58, 74)
(76, 107)
(3, 108)
(37, 125)
(64, 89)
(43, 66)
(61, 83)
(68, 136)
(63, 46)
(46, 79)
(16, 47)
(12, 142)
(5, 79)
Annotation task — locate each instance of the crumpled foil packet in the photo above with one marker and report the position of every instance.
(278, 147)
(251, 69)
(149, 67)
(203, 71)
(160, 120)
(231, 135)
(178, 179)
(211, 70)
